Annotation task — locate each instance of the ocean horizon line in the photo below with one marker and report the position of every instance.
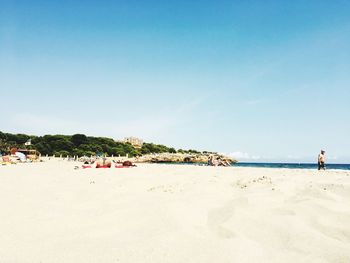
(291, 163)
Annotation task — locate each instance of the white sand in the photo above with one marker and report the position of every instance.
(167, 213)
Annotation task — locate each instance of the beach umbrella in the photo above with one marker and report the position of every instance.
(21, 156)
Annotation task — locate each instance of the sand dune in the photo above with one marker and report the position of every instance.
(169, 213)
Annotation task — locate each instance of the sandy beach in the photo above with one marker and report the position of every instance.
(172, 213)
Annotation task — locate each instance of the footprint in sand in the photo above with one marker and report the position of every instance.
(166, 188)
(325, 224)
(219, 216)
(264, 180)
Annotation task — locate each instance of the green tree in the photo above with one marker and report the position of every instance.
(22, 138)
(43, 148)
(172, 150)
(180, 151)
(78, 139)
(85, 147)
(3, 136)
(61, 145)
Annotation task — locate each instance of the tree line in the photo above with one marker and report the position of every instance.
(80, 145)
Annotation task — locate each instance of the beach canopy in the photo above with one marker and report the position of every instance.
(21, 156)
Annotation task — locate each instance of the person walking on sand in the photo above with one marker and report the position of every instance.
(321, 160)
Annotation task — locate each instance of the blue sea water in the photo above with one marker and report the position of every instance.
(330, 166)
(313, 166)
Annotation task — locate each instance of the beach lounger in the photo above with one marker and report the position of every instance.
(103, 166)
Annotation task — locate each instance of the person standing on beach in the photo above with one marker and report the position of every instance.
(321, 160)
(210, 158)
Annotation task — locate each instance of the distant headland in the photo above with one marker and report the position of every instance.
(82, 145)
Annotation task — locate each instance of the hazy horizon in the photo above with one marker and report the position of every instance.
(261, 81)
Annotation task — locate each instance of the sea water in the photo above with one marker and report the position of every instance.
(330, 166)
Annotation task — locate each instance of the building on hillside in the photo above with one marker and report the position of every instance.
(136, 142)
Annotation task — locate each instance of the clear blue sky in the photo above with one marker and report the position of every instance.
(264, 80)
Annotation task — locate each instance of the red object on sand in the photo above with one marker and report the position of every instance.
(103, 166)
(87, 166)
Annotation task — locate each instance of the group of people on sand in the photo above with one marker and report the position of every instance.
(14, 158)
(103, 162)
(217, 161)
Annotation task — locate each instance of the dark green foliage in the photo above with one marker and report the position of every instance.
(21, 138)
(193, 151)
(80, 144)
(148, 148)
(62, 144)
(78, 139)
(172, 150)
(3, 136)
(189, 151)
(43, 147)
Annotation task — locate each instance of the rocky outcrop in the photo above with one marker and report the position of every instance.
(180, 158)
